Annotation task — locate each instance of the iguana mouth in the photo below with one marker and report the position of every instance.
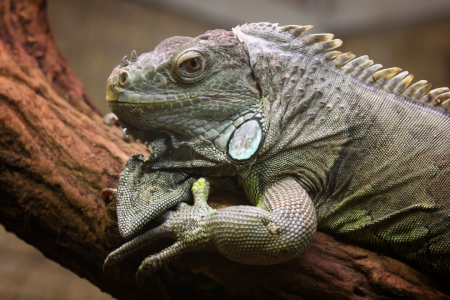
(113, 96)
(147, 99)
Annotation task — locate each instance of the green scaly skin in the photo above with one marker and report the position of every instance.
(315, 139)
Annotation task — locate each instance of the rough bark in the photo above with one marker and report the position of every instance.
(56, 155)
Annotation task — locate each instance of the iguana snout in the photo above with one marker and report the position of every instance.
(125, 84)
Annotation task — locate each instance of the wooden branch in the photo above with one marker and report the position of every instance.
(56, 155)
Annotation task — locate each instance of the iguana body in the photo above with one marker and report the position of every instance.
(314, 138)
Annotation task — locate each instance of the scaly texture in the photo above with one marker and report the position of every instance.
(315, 137)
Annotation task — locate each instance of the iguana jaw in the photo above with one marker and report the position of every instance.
(135, 98)
(146, 99)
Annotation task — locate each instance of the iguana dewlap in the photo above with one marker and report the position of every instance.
(315, 137)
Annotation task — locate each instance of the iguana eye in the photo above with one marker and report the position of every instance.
(191, 66)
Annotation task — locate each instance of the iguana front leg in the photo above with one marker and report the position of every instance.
(186, 225)
(275, 232)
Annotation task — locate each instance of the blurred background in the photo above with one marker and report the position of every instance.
(95, 34)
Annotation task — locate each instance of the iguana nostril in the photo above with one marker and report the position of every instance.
(123, 78)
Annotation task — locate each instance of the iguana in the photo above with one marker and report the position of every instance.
(316, 138)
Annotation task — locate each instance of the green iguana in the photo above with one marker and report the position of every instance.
(316, 138)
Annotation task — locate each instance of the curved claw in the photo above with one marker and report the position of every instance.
(153, 263)
(108, 195)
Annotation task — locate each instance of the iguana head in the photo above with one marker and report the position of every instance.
(200, 87)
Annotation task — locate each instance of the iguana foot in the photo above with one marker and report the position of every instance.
(185, 225)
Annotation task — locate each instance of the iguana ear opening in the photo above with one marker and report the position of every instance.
(245, 142)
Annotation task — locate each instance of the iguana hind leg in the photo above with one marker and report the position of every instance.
(276, 231)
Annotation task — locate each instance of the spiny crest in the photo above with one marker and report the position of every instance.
(272, 31)
(391, 79)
